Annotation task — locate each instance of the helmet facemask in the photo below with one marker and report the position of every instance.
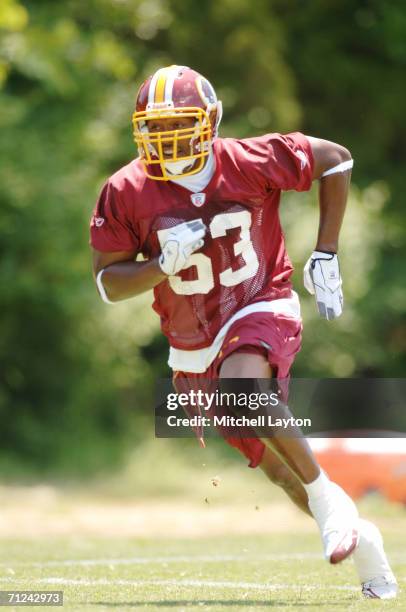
(187, 113)
(166, 149)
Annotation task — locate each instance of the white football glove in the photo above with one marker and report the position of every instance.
(180, 243)
(322, 279)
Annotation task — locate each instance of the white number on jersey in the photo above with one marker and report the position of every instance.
(204, 270)
(244, 247)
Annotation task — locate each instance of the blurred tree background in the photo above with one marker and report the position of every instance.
(76, 375)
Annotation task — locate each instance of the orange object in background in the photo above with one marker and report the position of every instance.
(362, 465)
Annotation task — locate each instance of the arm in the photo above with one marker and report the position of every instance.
(322, 272)
(333, 191)
(119, 277)
(123, 277)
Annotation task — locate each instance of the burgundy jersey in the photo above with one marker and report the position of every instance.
(243, 259)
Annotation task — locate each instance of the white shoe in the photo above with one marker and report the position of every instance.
(337, 518)
(371, 563)
(381, 587)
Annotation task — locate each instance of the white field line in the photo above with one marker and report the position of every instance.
(186, 583)
(171, 559)
(398, 557)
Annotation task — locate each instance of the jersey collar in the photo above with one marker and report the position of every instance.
(214, 181)
(198, 182)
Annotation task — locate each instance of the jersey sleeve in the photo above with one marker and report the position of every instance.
(111, 228)
(282, 161)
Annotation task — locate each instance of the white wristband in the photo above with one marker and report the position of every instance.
(101, 288)
(347, 165)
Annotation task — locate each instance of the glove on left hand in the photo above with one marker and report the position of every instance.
(322, 279)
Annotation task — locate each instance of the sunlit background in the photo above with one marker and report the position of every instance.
(77, 376)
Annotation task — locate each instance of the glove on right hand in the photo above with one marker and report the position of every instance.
(180, 243)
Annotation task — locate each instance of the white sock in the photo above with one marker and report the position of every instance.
(369, 558)
(332, 509)
(318, 487)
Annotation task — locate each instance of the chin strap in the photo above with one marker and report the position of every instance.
(347, 165)
(178, 167)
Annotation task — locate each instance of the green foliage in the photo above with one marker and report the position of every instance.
(74, 381)
(348, 59)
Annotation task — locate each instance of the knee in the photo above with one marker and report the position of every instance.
(280, 475)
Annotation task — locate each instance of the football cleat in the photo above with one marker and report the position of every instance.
(344, 547)
(375, 574)
(381, 587)
(337, 519)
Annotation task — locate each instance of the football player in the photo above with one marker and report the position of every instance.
(203, 211)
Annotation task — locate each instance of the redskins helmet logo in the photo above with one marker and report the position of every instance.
(175, 93)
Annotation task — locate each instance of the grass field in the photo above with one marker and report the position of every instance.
(282, 572)
(240, 545)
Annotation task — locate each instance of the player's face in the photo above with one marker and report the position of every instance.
(173, 123)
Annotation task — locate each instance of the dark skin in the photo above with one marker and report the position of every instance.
(156, 126)
(287, 461)
(128, 278)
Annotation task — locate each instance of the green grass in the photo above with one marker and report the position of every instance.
(278, 572)
(159, 536)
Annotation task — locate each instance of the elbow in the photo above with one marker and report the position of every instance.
(338, 155)
(338, 161)
(345, 154)
(327, 155)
